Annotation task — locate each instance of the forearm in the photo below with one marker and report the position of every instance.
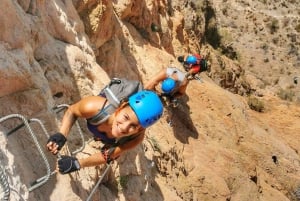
(93, 160)
(151, 85)
(181, 91)
(99, 158)
(67, 122)
(156, 80)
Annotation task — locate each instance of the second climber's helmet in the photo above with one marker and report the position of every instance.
(147, 106)
(168, 85)
(191, 60)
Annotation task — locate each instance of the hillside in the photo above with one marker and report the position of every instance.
(234, 137)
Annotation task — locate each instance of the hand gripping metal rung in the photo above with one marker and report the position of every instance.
(58, 155)
(61, 107)
(33, 136)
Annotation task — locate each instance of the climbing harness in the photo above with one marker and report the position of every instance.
(4, 185)
(98, 182)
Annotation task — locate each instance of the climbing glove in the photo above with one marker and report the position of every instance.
(68, 164)
(59, 139)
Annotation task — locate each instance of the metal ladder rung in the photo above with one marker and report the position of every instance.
(34, 138)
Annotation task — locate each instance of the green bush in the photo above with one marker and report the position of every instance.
(123, 180)
(273, 26)
(255, 104)
(298, 28)
(287, 94)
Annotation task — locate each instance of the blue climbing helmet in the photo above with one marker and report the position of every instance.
(168, 85)
(191, 59)
(147, 107)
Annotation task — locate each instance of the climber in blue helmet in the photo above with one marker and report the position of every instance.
(191, 59)
(168, 85)
(123, 130)
(147, 107)
(194, 64)
(173, 84)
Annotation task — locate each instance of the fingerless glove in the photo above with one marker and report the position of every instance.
(68, 164)
(59, 139)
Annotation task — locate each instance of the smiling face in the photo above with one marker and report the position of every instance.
(125, 123)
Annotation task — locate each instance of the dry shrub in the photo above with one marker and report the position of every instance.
(286, 94)
(298, 28)
(273, 26)
(255, 104)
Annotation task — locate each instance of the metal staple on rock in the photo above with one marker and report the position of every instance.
(41, 125)
(46, 178)
(4, 185)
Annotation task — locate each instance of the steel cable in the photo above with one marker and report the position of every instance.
(37, 145)
(4, 185)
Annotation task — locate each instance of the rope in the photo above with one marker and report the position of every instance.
(37, 145)
(4, 185)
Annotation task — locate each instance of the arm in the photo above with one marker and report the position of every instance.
(86, 107)
(127, 146)
(98, 158)
(156, 80)
(182, 89)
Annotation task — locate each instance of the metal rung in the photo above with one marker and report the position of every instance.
(15, 129)
(34, 138)
(25, 122)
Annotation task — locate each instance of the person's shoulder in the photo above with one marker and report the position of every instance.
(91, 99)
(91, 103)
(172, 69)
(197, 55)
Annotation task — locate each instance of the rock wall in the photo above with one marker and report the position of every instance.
(55, 52)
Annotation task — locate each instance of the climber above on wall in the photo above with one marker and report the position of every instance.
(193, 64)
(122, 130)
(173, 84)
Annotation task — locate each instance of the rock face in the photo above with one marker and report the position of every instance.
(222, 146)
